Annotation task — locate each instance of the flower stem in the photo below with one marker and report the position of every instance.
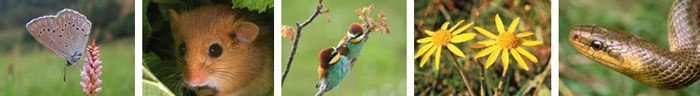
(482, 79)
(296, 39)
(461, 73)
(500, 83)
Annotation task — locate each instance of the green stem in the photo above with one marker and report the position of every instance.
(500, 83)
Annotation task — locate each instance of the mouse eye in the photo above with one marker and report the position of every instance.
(597, 45)
(215, 50)
(182, 49)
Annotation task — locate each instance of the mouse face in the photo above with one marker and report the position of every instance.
(215, 50)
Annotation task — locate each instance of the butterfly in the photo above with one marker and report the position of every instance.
(65, 34)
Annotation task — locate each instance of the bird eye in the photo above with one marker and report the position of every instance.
(215, 50)
(597, 45)
(182, 49)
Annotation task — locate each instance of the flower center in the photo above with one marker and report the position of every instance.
(442, 37)
(507, 40)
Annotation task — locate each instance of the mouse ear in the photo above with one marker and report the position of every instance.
(174, 22)
(173, 15)
(244, 32)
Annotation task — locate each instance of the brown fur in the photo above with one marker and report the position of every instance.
(245, 65)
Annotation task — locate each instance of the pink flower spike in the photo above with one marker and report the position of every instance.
(98, 90)
(92, 71)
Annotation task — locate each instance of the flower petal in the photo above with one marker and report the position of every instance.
(487, 33)
(444, 26)
(455, 50)
(499, 24)
(422, 50)
(504, 59)
(524, 34)
(527, 54)
(493, 57)
(463, 37)
(519, 59)
(531, 43)
(424, 40)
(485, 51)
(460, 30)
(426, 56)
(430, 33)
(477, 45)
(456, 25)
(437, 58)
(513, 24)
(487, 42)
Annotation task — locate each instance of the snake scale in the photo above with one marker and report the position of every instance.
(642, 60)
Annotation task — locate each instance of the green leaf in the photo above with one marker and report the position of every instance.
(152, 86)
(259, 5)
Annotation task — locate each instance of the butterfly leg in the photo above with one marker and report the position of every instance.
(64, 70)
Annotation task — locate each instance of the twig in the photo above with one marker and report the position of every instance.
(461, 72)
(296, 39)
(425, 91)
(500, 83)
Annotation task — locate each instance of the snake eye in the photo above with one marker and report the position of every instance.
(597, 45)
(215, 50)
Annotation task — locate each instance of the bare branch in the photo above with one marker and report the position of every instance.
(296, 38)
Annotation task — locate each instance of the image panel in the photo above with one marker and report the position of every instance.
(482, 47)
(207, 47)
(623, 47)
(67, 48)
(343, 48)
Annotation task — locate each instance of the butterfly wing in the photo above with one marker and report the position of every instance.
(65, 33)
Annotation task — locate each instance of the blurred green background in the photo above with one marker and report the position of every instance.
(534, 17)
(644, 18)
(29, 69)
(381, 70)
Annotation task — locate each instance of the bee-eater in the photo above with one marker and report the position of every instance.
(352, 44)
(332, 71)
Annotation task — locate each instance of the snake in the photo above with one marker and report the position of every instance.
(652, 65)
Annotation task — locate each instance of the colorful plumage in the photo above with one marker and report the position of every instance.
(332, 71)
(336, 62)
(352, 44)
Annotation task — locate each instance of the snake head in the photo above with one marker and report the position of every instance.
(601, 44)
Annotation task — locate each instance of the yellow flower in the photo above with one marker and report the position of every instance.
(506, 42)
(443, 38)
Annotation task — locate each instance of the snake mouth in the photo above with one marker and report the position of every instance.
(579, 37)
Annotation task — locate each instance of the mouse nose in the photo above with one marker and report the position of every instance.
(196, 81)
(196, 78)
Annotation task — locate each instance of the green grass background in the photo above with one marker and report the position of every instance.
(644, 18)
(36, 71)
(381, 70)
